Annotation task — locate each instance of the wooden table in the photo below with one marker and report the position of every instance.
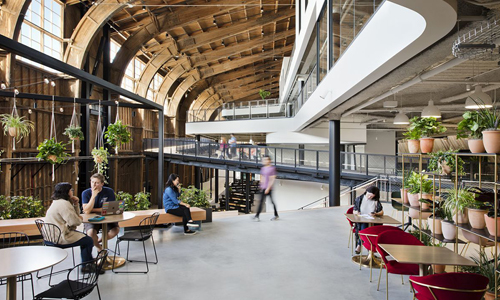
(366, 260)
(26, 259)
(119, 261)
(425, 256)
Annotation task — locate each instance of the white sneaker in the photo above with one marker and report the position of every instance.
(189, 232)
(256, 219)
(189, 224)
(275, 218)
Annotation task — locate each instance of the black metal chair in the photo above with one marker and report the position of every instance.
(15, 239)
(78, 284)
(144, 233)
(51, 235)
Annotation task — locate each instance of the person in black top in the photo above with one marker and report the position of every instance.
(367, 204)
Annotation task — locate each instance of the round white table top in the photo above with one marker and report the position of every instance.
(110, 218)
(21, 260)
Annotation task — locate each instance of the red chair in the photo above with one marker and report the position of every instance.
(369, 237)
(397, 237)
(452, 286)
(351, 231)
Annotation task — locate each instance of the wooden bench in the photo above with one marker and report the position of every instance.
(28, 225)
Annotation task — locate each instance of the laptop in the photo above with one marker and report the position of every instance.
(112, 208)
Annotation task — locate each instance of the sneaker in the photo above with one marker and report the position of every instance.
(189, 232)
(191, 224)
(256, 219)
(91, 269)
(275, 218)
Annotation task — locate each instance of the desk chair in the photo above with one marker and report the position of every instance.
(15, 239)
(77, 284)
(391, 266)
(144, 233)
(51, 235)
(449, 286)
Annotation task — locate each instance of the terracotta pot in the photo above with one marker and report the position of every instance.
(413, 199)
(435, 225)
(476, 239)
(491, 140)
(425, 206)
(13, 131)
(445, 169)
(52, 157)
(490, 224)
(75, 139)
(439, 269)
(413, 146)
(476, 146)
(449, 230)
(414, 213)
(489, 296)
(98, 159)
(462, 217)
(476, 217)
(404, 195)
(426, 145)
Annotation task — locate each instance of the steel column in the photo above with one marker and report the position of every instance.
(227, 189)
(216, 190)
(334, 167)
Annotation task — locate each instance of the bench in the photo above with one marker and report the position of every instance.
(28, 226)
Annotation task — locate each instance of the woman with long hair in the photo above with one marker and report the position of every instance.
(65, 213)
(174, 206)
(367, 204)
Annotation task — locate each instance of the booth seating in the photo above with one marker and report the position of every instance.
(449, 286)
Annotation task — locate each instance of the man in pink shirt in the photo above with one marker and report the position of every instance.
(267, 178)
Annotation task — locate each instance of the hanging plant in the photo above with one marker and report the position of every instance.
(100, 156)
(264, 94)
(117, 135)
(52, 151)
(16, 126)
(74, 133)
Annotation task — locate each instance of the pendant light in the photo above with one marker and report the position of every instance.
(478, 99)
(401, 119)
(431, 111)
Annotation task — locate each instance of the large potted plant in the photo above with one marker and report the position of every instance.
(52, 151)
(429, 127)
(486, 267)
(197, 198)
(445, 162)
(435, 219)
(471, 127)
(413, 135)
(490, 118)
(475, 212)
(489, 218)
(457, 201)
(447, 224)
(16, 126)
(117, 134)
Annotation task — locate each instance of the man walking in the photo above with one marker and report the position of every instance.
(267, 178)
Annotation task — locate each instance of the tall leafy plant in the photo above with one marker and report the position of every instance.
(489, 116)
(427, 126)
(471, 126)
(459, 199)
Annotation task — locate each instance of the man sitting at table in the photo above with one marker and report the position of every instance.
(92, 200)
(367, 204)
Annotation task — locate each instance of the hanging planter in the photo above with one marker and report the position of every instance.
(100, 156)
(15, 126)
(74, 133)
(117, 135)
(52, 151)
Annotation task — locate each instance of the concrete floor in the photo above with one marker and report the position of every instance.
(304, 255)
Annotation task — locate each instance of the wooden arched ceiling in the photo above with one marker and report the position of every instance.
(231, 47)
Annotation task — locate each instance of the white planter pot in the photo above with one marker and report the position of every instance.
(449, 230)
(435, 225)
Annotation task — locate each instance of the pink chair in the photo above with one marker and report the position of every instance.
(351, 231)
(397, 237)
(449, 286)
(369, 238)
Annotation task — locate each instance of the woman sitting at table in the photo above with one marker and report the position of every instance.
(367, 204)
(65, 213)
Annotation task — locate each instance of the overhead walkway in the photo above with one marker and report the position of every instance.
(300, 164)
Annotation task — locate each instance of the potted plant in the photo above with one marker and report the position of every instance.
(264, 94)
(428, 127)
(489, 218)
(475, 212)
(435, 219)
(100, 156)
(446, 162)
(457, 201)
(471, 127)
(197, 198)
(413, 135)
(16, 126)
(117, 134)
(406, 187)
(52, 151)
(438, 269)
(490, 118)
(419, 188)
(486, 267)
(447, 224)
(74, 133)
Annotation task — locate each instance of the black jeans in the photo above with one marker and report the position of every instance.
(263, 199)
(184, 212)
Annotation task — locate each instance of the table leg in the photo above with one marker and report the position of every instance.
(11, 288)
(423, 269)
(104, 236)
(365, 260)
(111, 260)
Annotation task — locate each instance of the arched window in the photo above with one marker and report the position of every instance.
(154, 86)
(42, 28)
(132, 74)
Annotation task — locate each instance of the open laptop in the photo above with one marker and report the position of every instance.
(112, 208)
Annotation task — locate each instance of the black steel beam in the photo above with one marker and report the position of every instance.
(228, 195)
(334, 168)
(48, 61)
(216, 190)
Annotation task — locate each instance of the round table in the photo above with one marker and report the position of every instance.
(27, 259)
(119, 261)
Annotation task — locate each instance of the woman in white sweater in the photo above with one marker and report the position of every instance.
(65, 213)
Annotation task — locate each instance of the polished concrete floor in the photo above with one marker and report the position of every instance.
(304, 255)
